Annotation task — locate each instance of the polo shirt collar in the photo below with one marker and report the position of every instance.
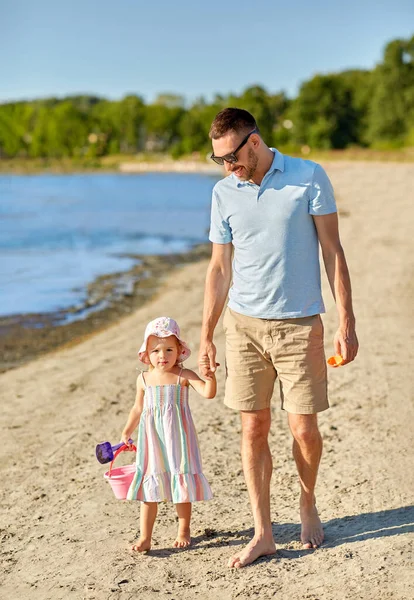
(278, 164)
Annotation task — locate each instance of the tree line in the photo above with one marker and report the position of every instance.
(368, 108)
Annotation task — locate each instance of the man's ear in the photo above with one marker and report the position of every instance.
(255, 138)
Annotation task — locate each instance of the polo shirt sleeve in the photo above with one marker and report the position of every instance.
(321, 194)
(220, 232)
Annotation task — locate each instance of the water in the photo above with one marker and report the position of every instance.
(59, 232)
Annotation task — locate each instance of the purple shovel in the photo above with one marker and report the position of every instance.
(105, 452)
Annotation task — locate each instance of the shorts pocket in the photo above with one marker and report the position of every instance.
(317, 327)
(225, 319)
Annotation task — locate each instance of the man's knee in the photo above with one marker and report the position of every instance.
(304, 429)
(255, 424)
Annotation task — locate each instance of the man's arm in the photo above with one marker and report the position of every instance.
(345, 341)
(217, 286)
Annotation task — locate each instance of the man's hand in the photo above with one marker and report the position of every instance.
(207, 359)
(346, 344)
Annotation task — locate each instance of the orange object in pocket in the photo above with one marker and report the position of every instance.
(335, 361)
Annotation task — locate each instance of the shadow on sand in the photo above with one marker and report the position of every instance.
(344, 530)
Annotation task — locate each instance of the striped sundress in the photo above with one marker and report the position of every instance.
(168, 465)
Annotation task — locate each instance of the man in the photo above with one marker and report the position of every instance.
(274, 211)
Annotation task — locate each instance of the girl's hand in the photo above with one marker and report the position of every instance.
(211, 376)
(125, 438)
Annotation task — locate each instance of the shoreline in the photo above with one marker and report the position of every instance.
(109, 298)
(108, 164)
(165, 164)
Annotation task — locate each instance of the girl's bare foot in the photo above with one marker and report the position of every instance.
(183, 539)
(143, 545)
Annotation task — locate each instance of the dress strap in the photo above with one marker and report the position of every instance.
(143, 379)
(178, 382)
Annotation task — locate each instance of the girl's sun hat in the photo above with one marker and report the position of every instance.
(163, 327)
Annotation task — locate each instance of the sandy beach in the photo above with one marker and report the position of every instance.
(65, 536)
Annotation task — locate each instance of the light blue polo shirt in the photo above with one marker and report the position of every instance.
(276, 271)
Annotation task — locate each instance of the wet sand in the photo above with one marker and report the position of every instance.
(108, 299)
(65, 536)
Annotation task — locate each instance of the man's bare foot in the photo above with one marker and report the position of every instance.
(312, 531)
(255, 548)
(183, 539)
(143, 545)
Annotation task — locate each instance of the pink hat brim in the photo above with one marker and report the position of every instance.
(185, 350)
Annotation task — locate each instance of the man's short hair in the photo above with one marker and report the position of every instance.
(231, 119)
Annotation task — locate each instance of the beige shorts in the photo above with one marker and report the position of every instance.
(260, 350)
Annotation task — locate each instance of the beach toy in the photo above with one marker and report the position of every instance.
(120, 478)
(335, 361)
(105, 452)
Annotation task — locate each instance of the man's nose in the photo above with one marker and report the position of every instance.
(228, 166)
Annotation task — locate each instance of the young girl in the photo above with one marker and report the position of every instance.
(168, 465)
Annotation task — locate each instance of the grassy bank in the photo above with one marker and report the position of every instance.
(161, 162)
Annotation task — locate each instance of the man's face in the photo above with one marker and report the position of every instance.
(246, 164)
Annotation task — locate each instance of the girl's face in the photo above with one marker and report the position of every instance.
(162, 352)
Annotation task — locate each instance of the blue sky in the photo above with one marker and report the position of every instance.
(112, 48)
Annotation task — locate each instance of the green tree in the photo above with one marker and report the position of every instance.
(391, 111)
(162, 126)
(194, 127)
(323, 114)
(131, 120)
(374, 108)
(39, 134)
(15, 122)
(66, 130)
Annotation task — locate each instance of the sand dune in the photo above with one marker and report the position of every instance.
(65, 536)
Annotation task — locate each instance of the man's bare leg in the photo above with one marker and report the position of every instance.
(257, 468)
(307, 451)
(148, 514)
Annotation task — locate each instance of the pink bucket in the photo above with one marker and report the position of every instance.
(120, 478)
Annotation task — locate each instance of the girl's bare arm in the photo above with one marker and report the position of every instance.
(135, 414)
(204, 388)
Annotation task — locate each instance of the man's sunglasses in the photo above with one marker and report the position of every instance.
(232, 158)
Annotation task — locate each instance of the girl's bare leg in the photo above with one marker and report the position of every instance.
(147, 519)
(184, 517)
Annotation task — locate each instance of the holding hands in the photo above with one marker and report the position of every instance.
(207, 364)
